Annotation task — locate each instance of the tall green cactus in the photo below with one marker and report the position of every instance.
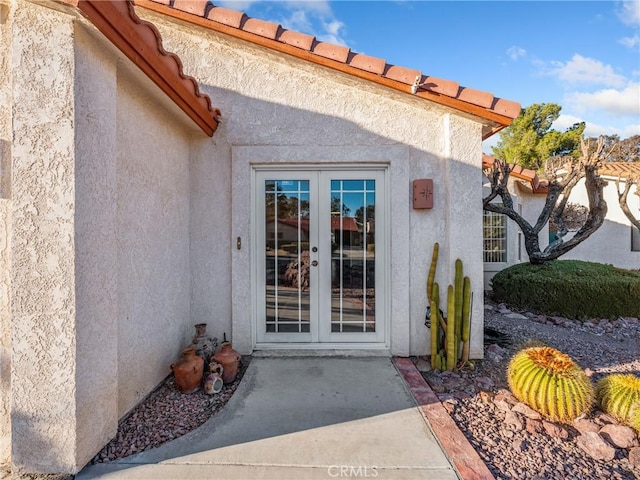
(551, 383)
(458, 286)
(435, 322)
(451, 328)
(466, 319)
(432, 271)
(617, 395)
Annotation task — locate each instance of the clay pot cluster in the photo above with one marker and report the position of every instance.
(221, 367)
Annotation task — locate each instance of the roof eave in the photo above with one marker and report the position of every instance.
(495, 120)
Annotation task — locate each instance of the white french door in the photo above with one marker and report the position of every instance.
(320, 256)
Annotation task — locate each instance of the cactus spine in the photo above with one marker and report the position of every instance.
(435, 322)
(634, 417)
(458, 284)
(617, 395)
(451, 328)
(551, 383)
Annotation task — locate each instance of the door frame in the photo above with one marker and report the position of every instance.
(383, 289)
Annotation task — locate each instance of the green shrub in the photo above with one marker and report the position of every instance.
(570, 288)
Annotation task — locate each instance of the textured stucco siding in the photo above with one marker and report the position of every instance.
(611, 243)
(152, 222)
(95, 244)
(42, 242)
(271, 100)
(6, 26)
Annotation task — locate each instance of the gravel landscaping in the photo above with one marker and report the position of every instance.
(514, 441)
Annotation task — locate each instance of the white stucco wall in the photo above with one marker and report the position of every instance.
(6, 25)
(42, 293)
(95, 245)
(152, 225)
(611, 243)
(273, 101)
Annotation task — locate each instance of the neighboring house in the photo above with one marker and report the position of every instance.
(136, 201)
(616, 242)
(503, 240)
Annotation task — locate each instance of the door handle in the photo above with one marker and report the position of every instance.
(314, 263)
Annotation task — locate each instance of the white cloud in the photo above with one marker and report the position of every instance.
(516, 52)
(630, 42)
(332, 33)
(629, 12)
(594, 129)
(587, 71)
(612, 101)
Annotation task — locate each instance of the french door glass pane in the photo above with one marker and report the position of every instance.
(287, 256)
(353, 256)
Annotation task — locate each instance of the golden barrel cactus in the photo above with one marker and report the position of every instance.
(635, 417)
(551, 383)
(617, 394)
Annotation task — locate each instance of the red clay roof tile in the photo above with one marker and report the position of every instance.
(296, 39)
(538, 186)
(226, 16)
(261, 27)
(195, 7)
(476, 97)
(367, 63)
(332, 51)
(439, 85)
(402, 74)
(141, 42)
(498, 112)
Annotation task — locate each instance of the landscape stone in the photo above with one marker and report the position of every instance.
(526, 411)
(422, 365)
(634, 456)
(555, 431)
(584, 425)
(619, 436)
(533, 426)
(513, 419)
(596, 447)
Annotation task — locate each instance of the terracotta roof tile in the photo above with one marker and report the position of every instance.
(402, 74)
(296, 39)
(498, 112)
(367, 63)
(261, 27)
(538, 186)
(226, 16)
(476, 97)
(439, 85)
(620, 169)
(332, 51)
(141, 42)
(195, 7)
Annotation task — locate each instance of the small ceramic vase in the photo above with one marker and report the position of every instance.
(204, 344)
(188, 371)
(213, 383)
(229, 359)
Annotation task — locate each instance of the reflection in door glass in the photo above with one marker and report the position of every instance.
(353, 256)
(287, 256)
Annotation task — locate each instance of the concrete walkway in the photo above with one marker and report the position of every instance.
(301, 418)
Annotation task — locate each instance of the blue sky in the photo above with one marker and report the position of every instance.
(583, 55)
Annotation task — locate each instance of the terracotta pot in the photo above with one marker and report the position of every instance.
(188, 371)
(230, 360)
(213, 383)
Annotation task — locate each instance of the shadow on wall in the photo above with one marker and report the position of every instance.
(5, 169)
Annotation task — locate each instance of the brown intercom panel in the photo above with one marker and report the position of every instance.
(423, 193)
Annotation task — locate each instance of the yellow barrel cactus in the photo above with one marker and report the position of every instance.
(617, 394)
(551, 383)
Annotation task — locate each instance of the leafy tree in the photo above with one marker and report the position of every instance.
(529, 140)
(627, 150)
(564, 173)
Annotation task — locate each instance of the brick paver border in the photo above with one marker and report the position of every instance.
(462, 455)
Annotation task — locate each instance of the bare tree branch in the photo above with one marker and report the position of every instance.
(622, 198)
(564, 175)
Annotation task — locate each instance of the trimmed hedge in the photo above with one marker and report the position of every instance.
(570, 288)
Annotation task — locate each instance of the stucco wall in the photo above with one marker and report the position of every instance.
(152, 224)
(6, 25)
(271, 100)
(611, 243)
(95, 244)
(42, 242)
